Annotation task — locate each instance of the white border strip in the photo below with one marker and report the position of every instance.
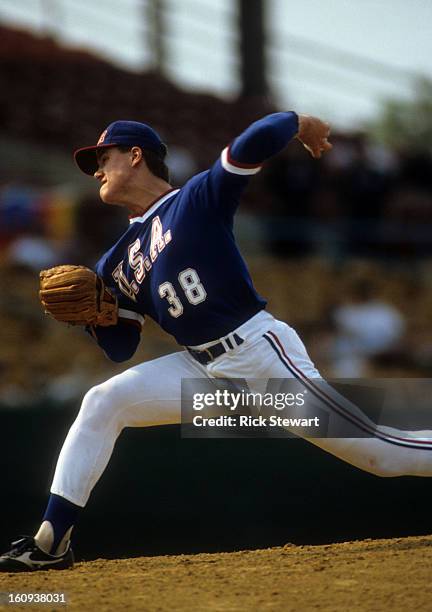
(130, 314)
(226, 165)
(156, 205)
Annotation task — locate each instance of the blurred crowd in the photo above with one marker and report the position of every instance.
(343, 248)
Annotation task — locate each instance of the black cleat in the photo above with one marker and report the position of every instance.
(26, 556)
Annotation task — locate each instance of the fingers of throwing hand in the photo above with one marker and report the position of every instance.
(318, 149)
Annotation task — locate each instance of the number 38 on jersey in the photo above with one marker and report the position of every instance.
(193, 289)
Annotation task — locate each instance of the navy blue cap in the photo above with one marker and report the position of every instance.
(119, 133)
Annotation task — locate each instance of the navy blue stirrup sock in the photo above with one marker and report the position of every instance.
(62, 514)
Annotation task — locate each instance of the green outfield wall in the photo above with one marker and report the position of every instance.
(162, 494)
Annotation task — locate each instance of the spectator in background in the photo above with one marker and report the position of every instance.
(366, 327)
(182, 164)
(291, 179)
(363, 176)
(96, 228)
(33, 250)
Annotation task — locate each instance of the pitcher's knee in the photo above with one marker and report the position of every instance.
(383, 467)
(98, 407)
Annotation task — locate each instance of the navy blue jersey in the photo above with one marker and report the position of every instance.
(179, 263)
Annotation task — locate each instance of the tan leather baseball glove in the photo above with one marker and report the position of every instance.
(76, 295)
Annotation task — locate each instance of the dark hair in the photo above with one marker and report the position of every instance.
(155, 164)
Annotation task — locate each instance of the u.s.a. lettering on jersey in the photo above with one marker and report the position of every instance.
(141, 264)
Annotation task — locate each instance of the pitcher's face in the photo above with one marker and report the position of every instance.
(113, 173)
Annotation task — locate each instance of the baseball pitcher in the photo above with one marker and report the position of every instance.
(178, 263)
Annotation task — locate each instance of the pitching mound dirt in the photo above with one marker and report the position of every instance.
(369, 575)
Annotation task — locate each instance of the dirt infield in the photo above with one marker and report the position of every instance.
(369, 575)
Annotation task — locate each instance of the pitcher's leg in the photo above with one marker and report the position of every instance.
(383, 451)
(145, 395)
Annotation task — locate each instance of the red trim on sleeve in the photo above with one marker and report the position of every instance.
(234, 162)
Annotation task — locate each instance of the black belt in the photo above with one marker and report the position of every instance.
(216, 350)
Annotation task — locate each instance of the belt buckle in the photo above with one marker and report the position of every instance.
(198, 355)
(207, 350)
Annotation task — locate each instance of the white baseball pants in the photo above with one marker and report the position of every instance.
(150, 394)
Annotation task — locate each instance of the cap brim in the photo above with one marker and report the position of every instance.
(86, 158)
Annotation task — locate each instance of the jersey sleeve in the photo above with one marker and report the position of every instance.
(222, 186)
(119, 342)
